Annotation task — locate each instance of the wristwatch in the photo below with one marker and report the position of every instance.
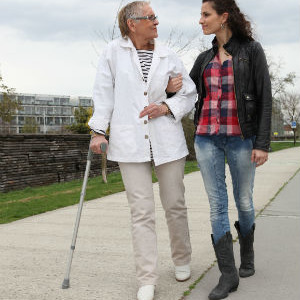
(168, 112)
(94, 133)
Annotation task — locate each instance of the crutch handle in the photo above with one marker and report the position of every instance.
(103, 147)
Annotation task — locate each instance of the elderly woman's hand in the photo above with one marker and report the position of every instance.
(96, 142)
(174, 84)
(153, 111)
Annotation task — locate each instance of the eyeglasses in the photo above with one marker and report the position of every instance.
(151, 18)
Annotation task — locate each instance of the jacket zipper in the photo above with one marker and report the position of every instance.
(236, 103)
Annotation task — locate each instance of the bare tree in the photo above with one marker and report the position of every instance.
(181, 42)
(112, 32)
(279, 84)
(290, 103)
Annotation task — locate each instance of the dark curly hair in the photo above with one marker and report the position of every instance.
(237, 22)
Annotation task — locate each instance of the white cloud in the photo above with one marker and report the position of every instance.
(48, 67)
(56, 20)
(46, 45)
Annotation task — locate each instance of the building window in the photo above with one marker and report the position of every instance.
(27, 110)
(57, 120)
(21, 121)
(66, 121)
(66, 111)
(64, 101)
(57, 110)
(50, 111)
(49, 121)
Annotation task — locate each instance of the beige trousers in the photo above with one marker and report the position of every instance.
(137, 178)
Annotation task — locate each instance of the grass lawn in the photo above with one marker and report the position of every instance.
(17, 205)
(276, 146)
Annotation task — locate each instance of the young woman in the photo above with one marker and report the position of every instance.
(233, 117)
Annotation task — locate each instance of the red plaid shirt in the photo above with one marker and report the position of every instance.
(219, 113)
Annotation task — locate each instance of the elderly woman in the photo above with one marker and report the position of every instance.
(145, 128)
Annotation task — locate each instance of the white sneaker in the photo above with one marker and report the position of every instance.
(182, 273)
(146, 292)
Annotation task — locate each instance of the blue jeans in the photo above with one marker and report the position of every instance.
(211, 152)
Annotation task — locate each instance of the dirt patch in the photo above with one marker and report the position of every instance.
(24, 200)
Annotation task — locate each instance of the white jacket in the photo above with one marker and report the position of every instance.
(120, 94)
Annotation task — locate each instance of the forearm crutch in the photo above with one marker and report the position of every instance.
(66, 282)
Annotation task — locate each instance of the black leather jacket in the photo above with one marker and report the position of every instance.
(252, 88)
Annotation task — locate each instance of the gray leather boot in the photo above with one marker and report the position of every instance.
(229, 279)
(246, 251)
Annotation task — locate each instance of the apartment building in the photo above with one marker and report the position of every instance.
(51, 113)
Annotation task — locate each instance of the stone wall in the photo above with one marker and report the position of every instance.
(35, 160)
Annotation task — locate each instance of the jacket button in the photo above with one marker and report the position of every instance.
(146, 137)
(145, 93)
(145, 121)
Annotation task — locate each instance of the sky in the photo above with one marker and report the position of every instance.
(52, 46)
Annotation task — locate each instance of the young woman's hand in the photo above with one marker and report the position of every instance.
(174, 84)
(259, 157)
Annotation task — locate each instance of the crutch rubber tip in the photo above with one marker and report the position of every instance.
(66, 284)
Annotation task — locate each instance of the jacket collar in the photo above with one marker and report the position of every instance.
(159, 50)
(231, 46)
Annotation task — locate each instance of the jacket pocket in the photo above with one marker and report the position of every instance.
(123, 141)
(250, 107)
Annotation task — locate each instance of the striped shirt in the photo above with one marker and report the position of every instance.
(219, 112)
(145, 57)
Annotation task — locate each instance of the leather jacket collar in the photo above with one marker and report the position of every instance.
(231, 46)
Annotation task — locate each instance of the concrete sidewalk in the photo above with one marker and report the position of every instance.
(277, 252)
(34, 251)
